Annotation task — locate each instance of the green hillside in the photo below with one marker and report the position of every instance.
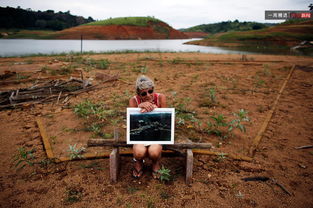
(280, 37)
(225, 27)
(136, 21)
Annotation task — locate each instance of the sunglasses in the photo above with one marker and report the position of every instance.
(145, 93)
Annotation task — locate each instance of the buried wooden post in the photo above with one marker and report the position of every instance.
(189, 166)
(114, 160)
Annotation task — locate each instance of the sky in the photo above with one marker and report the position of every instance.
(177, 13)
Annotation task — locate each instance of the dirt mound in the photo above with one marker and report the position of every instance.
(154, 30)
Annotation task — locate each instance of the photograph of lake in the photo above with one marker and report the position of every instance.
(150, 127)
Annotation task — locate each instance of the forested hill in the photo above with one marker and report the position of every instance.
(48, 20)
(225, 27)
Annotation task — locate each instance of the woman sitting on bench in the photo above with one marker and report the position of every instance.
(147, 100)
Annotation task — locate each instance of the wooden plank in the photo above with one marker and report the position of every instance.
(258, 137)
(102, 142)
(103, 155)
(45, 138)
(189, 166)
(232, 156)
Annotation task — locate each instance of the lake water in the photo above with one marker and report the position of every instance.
(21, 47)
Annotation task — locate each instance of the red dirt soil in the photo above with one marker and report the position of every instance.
(217, 181)
(122, 32)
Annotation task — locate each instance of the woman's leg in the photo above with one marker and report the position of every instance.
(139, 151)
(154, 152)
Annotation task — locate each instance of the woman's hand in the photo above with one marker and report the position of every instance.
(146, 107)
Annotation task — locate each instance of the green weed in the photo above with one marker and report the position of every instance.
(240, 117)
(164, 174)
(219, 121)
(220, 157)
(45, 162)
(259, 82)
(222, 128)
(23, 158)
(96, 128)
(103, 64)
(76, 153)
(210, 99)
(20, 77)
(73, 195)
(87, 108)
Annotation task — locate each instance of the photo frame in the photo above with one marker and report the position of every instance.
(155, 127)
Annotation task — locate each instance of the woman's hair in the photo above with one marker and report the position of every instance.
(143, 83)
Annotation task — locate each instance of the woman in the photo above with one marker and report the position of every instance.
(147, 100)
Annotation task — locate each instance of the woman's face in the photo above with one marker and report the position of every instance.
(146, 95)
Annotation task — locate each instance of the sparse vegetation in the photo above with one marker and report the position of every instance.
(23, 158)
(20, 76)
(97, 116)
(73, 194)
(222, 128)
(209, 98)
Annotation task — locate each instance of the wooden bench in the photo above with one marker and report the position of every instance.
(115, 165)
(115, 156)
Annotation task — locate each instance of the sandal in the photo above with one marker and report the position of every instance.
(156, 174)
(135, 172)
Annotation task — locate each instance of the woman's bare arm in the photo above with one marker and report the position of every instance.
(133, 103)
(162, 101)
(145, 106)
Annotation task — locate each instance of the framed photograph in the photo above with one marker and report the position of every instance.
(156, 127)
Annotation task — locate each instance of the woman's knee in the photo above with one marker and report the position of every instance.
(155, 151)
(139, 151)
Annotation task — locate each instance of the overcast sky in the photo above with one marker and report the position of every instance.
(177, 13)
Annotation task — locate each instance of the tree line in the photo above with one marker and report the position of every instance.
(226, 26)
(19, 18)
